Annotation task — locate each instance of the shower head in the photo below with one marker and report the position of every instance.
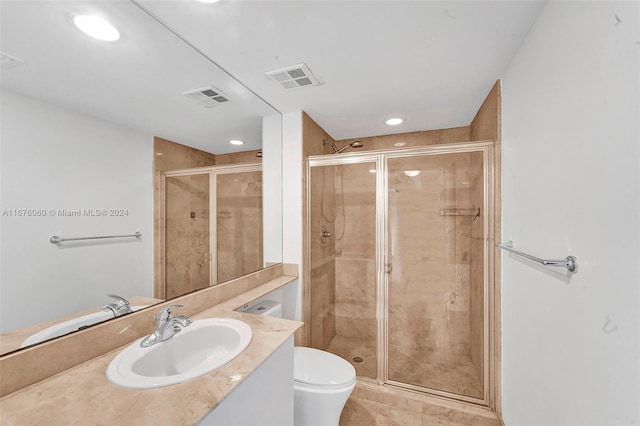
(354, 144)
(335, 150)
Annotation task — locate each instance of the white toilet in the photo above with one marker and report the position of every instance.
(322, 381)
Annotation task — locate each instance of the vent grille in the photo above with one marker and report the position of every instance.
(7, 61)
(294, 76)
(207, 97)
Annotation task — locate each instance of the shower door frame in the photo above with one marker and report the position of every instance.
(213, 172)
(380, 159)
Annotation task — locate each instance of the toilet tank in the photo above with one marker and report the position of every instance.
(269, 308)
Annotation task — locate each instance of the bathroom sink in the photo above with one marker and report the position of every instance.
(71, 325)
(200, 348)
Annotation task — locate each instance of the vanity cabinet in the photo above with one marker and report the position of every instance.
(264, 398)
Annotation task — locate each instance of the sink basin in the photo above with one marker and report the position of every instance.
(200, 348)
(72, 325)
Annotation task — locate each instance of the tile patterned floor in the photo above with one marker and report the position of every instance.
(370, 407)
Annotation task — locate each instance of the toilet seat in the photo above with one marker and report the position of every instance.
(313, 368)
(326, 389)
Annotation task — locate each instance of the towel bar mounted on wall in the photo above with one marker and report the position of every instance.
(56, 240)
(569, 262)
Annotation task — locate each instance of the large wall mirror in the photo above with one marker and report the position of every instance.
(95, 135)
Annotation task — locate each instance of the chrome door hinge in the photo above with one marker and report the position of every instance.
(388, 268)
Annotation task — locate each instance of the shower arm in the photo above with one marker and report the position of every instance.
(334, 148)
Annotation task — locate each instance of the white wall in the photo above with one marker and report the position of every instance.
(292, 195)
(272, 182)
(56, 159)
(571, 185)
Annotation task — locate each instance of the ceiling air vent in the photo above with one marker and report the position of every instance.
(293, 76)
(206, 96)
(7, 61)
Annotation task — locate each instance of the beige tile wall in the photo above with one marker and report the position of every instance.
(429, 282)
(343, 274)
(187, 234)
(187, 239)
(319, 315)
(355, 241)
(238, 157)
(169, 156)
(412, 139)
(429, 299)
(323, 288)
(239, 219)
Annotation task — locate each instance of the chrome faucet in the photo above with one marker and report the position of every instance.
(119, 307)
(166, 326)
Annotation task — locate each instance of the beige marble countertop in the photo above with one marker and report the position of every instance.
(83, 395)
(12, 340)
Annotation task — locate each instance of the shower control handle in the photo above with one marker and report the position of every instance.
(325, 235)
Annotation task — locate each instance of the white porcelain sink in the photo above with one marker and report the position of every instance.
(200, 348)
(72, 325)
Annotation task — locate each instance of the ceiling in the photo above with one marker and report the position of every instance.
(136, 82)
(429, 62)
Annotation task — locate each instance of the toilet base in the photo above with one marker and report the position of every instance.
(314, 407)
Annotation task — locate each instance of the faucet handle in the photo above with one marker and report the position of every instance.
(165, 313)
(119, 307)
(120, 301)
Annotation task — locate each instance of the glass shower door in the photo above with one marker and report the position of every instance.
(343, 263)
(187, 234)
(436, 281)
(238, 224)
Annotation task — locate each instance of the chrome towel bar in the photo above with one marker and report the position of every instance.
(56, 240)
(569, 262)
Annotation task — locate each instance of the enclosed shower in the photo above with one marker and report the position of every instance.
(202, 249)
(398, 267)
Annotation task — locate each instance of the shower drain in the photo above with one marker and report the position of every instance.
(357, 359)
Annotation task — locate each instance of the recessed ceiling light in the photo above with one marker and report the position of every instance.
(236, 142)
(412, 173)
(394, 121)
(96, 27)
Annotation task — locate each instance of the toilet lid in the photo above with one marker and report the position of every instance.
(321, 368)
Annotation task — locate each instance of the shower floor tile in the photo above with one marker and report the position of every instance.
(454, 374)
(450, 373)
(350, 348)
